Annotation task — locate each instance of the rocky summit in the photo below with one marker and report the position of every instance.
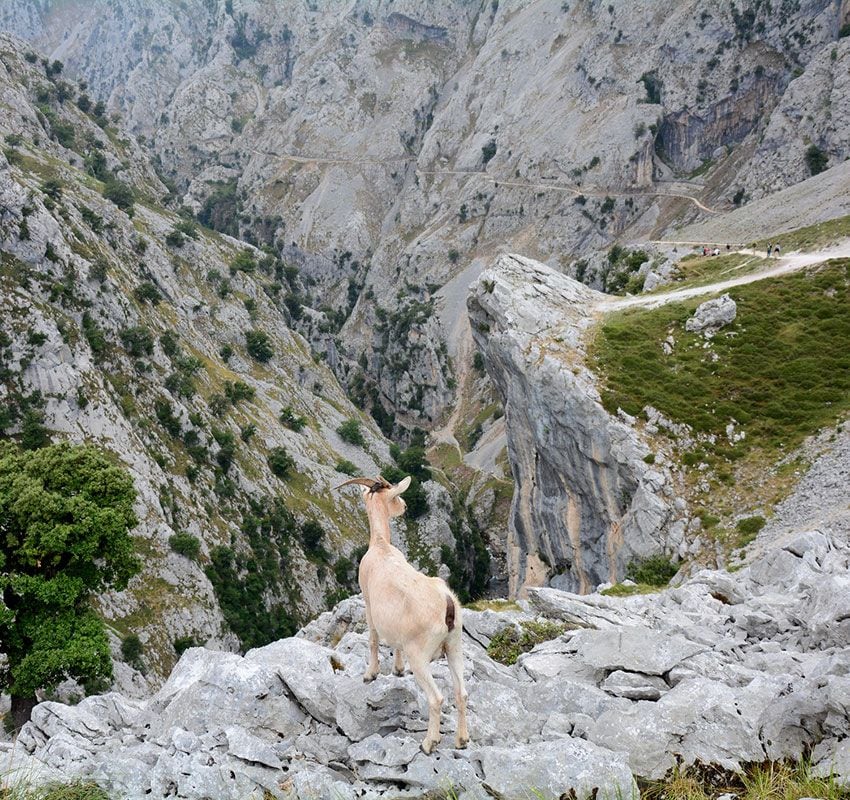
(725, 669)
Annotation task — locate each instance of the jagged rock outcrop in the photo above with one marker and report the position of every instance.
(726, 669)
(586, 502)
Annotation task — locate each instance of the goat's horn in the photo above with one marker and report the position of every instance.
(369, 482)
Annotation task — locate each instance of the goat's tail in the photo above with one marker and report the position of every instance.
(450, 612)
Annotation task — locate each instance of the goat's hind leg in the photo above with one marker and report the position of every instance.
(398, 662)
(454, 656)
(422, 673)
(374, 665)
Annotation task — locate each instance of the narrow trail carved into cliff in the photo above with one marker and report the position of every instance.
(576, 191)
(790, 263)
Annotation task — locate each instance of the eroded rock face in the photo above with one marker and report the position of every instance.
(725, 669)
(586, 503)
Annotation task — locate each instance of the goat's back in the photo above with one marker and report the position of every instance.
(404, 604)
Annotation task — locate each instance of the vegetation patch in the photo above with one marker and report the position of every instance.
(653, 571)
(776, 372)
(772, 780)
(697, 270)
(509, 644)
(629, 589)
(497, 604)
(812, 236)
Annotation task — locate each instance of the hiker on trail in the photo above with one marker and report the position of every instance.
(716, 251)
(769, 250)
(776, 250)
(728, 247)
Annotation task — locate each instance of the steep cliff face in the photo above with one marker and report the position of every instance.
(418, 137)
(129, 326)
(586, 503)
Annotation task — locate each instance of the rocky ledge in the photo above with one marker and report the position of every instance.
(725, 669)
(587, 503)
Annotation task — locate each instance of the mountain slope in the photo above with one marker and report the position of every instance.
(400, 141)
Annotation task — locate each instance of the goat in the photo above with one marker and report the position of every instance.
(417, 615)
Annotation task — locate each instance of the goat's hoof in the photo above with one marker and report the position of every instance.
(428, 747)
(367, 678)
(460, 744)
(399, 673)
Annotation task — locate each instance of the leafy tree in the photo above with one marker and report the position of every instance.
(816, 160)
(258, 345)
(66, 514)
(137, 341)
(280, 462)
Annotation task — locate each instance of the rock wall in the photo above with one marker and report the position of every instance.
(725, 670)
(586, 504)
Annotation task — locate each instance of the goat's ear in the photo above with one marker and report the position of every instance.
(401, 486)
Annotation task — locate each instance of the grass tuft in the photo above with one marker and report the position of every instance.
(769, 781)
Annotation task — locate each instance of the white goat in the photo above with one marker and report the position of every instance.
(417, 615)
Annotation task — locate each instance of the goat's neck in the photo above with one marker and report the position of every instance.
(379, 525)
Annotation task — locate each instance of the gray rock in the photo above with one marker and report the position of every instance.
(712, 315)
(634, 685)
(633, 649)
(555, 768)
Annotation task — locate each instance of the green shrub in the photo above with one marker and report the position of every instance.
(236, 391)
(185, 544)
(146, 292)
(246, 432)
(346, 467)
(653, 571)
(226, 448)
(131, 648)
(511, 642)
(748, 528)
(349, 431)
(291, 420)
(280, 462)
(119, 193)
(183, 643)
(165, 414)
(175, 239)
(488, 151)
(137, 341)
(258, 345)
(312, 536)
(226, 352)
(243, 262)
(94, 336)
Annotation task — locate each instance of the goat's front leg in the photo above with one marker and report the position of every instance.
(398, 662)
(374, 667)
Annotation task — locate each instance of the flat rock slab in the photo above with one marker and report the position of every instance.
(633, 649)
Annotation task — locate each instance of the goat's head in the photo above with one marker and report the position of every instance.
(380, 490)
